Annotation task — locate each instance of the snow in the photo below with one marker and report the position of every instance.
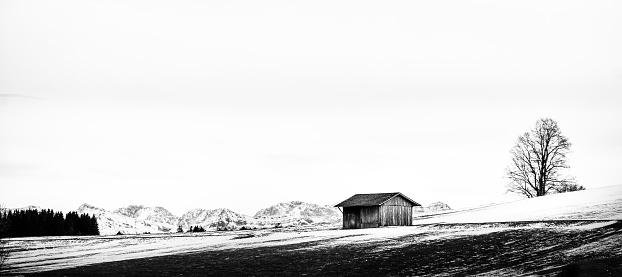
(593, 225)
(139, 219)
(63, 252)
(110, 222)
(296, 213)
(601, 204)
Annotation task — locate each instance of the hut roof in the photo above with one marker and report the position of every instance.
(372, 199)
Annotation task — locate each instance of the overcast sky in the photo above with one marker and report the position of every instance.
(244, 104)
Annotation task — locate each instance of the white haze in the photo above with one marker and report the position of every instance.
(243, 104)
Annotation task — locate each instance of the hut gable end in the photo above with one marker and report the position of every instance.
(398, 200)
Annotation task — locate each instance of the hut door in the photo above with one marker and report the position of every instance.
(351, 218)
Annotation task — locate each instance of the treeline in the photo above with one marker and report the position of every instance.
(29, 223)
(197, 228)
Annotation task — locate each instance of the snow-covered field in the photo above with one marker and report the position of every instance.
(43, 254)
(603, 204)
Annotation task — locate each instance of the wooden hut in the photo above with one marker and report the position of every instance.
(377, 209)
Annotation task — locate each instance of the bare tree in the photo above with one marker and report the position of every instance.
(539, 162)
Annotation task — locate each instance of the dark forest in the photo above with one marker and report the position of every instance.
(31, 222)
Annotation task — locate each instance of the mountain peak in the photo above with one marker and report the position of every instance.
(141, 212)
(210, 219)
(88, 208)
(30, 207)
(298, 211)
(438, 206)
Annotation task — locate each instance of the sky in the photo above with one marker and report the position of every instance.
(245, 104)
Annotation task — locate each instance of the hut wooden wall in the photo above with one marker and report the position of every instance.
(370, 217)
(396, 215)
(396, 212)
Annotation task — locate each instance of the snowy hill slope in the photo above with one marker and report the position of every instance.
(153, 214)
(297, 212)
(111, 223)
(602, 203)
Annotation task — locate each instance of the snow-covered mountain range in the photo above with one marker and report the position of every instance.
(155, 214)
(139, 219)
(111, 223)
(297, 212)
(219, 219)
